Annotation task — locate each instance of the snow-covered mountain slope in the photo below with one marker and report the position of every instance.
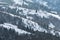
(29, 15)
(10, 26)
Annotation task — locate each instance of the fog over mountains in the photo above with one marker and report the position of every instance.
(29, 19)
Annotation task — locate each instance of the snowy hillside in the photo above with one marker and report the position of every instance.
(30, 16)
